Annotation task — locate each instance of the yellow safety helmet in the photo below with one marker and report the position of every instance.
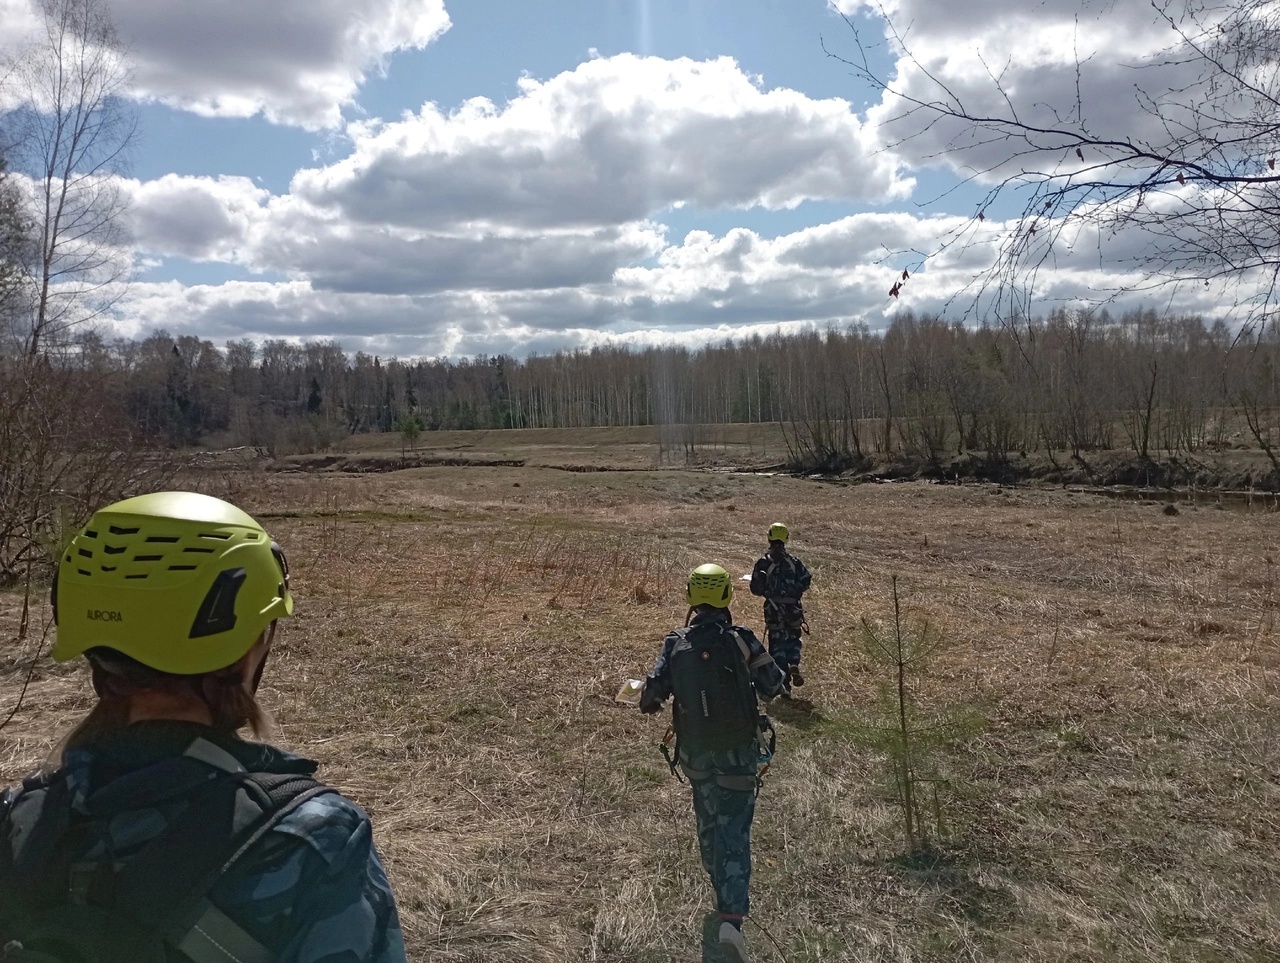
(710, 585)
(778, 532)
(181, 582)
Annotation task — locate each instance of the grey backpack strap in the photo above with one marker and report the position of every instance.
(753, 661)
(213, 755)
(216, 938)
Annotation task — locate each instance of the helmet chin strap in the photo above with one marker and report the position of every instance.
(257, 675)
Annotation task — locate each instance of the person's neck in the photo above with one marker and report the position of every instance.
(168, 707)
(711, 615)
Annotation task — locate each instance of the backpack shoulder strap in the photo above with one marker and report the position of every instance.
(34, 857)
(753, 661)
(284, 793)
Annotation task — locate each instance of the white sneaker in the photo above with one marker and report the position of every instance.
(732, 944)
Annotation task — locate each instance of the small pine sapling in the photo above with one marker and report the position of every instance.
(410, 428)
(910, 735)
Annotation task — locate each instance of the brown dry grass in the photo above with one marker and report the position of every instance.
(636, 446)
(461, 632)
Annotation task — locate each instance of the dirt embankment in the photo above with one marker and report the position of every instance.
(365, 464)
(1237, 471)
(1228, 471)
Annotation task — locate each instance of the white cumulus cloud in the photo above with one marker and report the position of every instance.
(293, 61)
(1050, 63)
(613, 141)
(201, 218)
(704, 288)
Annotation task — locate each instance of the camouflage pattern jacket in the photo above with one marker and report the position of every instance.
(781, 580)
(312, 890)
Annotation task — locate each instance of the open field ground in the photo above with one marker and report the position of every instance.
(622, 448)
(461, 633)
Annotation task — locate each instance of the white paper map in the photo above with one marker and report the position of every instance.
(629, 694)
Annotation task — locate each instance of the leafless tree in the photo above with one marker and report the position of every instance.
(71, 133)
(60, 460)
(1254, 389)
(66, 443)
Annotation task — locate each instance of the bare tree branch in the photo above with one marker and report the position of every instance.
(1203, 193)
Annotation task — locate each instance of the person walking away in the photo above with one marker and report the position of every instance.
(161, 835)
(714, 671)
(782, 580)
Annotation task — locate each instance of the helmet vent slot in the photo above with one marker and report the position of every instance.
(201, 551)
(115, 549)
(108, 568)
(148, 558)
(218, 610)
(83, 572)
(85, 553)
(251, 536)
(117, 530)
(169, 539)
(183, 568)
(220, 536)
(90, 533)
(141, 575)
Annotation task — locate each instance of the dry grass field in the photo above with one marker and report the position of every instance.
(461, 633)
(620, 448)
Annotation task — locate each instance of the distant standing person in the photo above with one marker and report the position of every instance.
(782, 580)
(714, 669)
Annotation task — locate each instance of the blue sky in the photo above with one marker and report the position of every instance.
(428, 177)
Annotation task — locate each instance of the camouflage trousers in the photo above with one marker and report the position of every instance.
(724, 838)
(783, 628)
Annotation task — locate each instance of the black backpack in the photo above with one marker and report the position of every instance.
(714, 700)
(782, 579)
(153, 908)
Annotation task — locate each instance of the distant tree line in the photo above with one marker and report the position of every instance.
(1071, 383)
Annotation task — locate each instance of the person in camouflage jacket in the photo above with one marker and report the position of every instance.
(314, 889)
(723, 780)
(782, 579)
(309, 886)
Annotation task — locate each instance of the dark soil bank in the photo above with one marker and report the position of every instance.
(1241, 471)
